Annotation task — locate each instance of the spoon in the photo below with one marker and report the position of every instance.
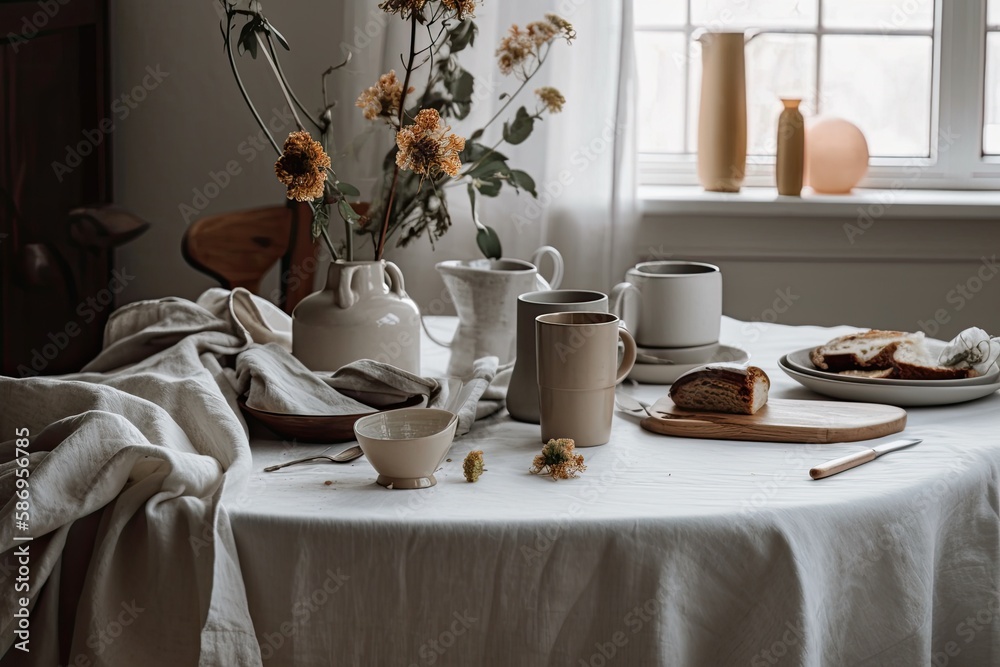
(348, 454)
(644, 358)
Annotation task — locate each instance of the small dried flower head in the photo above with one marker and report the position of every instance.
(520, 47)
(516, 50)
(427, 148)
(383, 98)
(405, 8)
(473, 465)
(551, 98)
(564, 27)
(462, 8)
(302, 167)
(558, 460)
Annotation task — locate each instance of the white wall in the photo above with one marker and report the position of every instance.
(194, 123)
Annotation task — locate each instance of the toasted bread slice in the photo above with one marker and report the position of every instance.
(912, 362)
(862, 351)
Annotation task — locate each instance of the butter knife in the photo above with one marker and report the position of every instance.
(856, 459)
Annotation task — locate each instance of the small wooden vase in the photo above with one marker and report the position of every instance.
(791, 149)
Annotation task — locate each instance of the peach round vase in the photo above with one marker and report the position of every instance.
(722, 116)
(836, 156)
(790, 160)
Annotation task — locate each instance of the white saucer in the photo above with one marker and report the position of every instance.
(685, 359)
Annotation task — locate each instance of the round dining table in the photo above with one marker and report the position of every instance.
(665, 551)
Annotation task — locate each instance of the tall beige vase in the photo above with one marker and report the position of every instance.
(790, 160)
(722, 118)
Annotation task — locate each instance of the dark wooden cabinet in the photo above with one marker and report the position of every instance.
(56, 128)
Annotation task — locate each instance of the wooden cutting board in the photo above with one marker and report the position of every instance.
(781, 420)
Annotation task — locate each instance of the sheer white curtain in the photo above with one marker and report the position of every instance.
(580, 159)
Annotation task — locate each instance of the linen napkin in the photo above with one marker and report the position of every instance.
(276, 381)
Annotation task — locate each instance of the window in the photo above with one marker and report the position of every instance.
(909, 73)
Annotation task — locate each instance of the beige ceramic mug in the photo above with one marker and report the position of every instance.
(578, 368)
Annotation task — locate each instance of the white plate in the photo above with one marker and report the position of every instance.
(667, 373)
(890, 394)
(800, 361)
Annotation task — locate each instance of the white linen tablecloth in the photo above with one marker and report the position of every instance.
(666, 551)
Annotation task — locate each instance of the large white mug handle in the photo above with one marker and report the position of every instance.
(557, 265)
(617, 298)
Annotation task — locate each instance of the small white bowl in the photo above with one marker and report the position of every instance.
(406, 446)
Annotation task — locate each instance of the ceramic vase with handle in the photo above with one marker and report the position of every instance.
(485, 296)
(722, 116)
(362, 313)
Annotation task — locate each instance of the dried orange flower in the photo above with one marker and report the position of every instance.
(402, 7)
(426, 147)
(473, 465)
(383, 98)
(302, 166)
(551, 98)
(462, 8)
(520, 46)
(558, 460)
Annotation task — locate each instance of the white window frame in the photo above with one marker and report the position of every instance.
(956, 160)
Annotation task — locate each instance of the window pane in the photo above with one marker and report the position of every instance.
(738, 14)
(777, 66)
(883, 15)
(993, 12)
(660, 63)
(661, 12)
(883, 85)
(991, 131)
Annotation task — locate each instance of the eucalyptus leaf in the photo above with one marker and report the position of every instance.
(520, 129)
(489, 243)
(461, 86)
(489, 187)
(277, 35)
(523, 181)
(490, 168)
(475, 135)
(462, 35)
(348, 189)
(346, 212)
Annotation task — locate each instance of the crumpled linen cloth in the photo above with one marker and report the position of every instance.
(130, 464)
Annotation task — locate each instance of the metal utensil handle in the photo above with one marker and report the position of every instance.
(291, 463)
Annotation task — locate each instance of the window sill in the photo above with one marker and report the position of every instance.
(766, 202)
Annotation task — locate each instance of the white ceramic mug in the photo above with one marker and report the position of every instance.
(679, 303)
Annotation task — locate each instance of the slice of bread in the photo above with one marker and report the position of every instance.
(912, 362)
(722, 387)
(884, 354)
(869, 350)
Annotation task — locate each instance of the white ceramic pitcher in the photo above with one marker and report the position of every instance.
(485, 296)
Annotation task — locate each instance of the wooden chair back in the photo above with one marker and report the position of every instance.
(238, 249)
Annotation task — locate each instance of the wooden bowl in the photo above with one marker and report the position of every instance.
(318, 428)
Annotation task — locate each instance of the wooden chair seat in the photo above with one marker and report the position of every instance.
(238, 249)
